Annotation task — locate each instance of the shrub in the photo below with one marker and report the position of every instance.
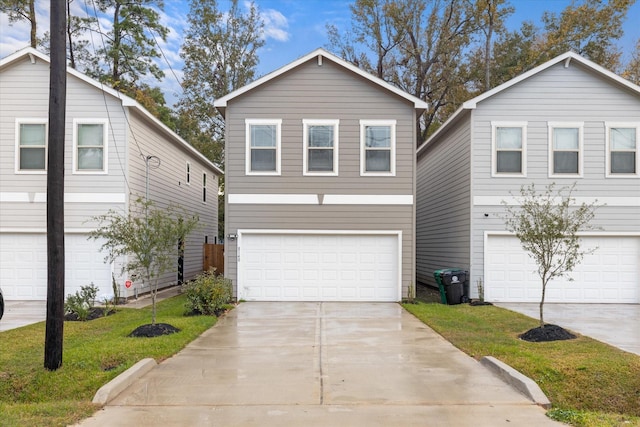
(82, 302)
(208, 293)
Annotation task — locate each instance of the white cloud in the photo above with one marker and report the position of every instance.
(275, 25)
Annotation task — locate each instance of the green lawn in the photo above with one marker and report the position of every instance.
(94, 353)
(588, 382)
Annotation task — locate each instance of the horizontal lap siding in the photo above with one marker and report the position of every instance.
(325, 217)
(25, 94)
(557, 94)
(310, 91)
(442, 210)
(167, 185)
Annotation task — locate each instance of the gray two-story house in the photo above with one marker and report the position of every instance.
(320, 184)
(567, 121)
(112, 146)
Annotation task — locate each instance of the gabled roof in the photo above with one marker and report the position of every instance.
(126, 101)
(565, 57)
(322, 54)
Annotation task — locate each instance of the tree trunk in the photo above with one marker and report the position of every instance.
(32, 18)
(544, 289)
(55, 191)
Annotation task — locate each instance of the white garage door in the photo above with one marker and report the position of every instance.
(318, 267)
(23, 265)
(609, 275)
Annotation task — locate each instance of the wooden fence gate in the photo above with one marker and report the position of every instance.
(214, 257)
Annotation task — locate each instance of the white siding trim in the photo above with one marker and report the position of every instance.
(105, 146)
(608, 126)
(43, 230)
(305, 149)
(366, 199)
(278, 124)
(26, 197)
(327, 199)
(513, 201)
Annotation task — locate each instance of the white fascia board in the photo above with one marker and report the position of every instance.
(418, 103)
(366, 199)
(273, 199)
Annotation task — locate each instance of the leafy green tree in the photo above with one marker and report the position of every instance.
(147, 237)
(129, 48)
(220, 56)
(415, 45)
(589, 28)
(22, 10)
(547, 225)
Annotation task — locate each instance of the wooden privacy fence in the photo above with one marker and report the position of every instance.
(213, 257)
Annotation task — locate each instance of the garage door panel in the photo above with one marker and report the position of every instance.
(610, 274)
(319, 267)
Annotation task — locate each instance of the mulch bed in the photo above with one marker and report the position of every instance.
(154, 330)
(94, 313)
(547, 333)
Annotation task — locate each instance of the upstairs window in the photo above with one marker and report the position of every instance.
(263, 146)
(90, 146)
(622, 150)
(320, 155)
(509, 149)
(378, 147)
(31, 139)
(565, 154)
(204, 188)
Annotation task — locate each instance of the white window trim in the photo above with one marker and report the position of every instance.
(580, 126)
(494, 149)
(363, 163)
(187, 173)
(105, 148)
(248, 123)
(37, 121)
(608, 126)
(305, 153)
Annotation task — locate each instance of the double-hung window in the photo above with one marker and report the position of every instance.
(90, 146)
(320, 156)
(31, 145)
(378, 147)
(263, 146)
(565, 149)
(509, 143)
(622, 149)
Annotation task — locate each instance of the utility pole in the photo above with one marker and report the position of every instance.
(55, 188)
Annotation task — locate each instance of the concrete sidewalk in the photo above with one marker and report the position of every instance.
(319, 364)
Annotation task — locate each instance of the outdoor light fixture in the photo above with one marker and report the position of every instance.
(232, 237)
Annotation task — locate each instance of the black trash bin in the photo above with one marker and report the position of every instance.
(455, 285)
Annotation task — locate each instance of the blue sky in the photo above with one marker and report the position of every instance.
(293, 28)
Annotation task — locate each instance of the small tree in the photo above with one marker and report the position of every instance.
(148, 236)
(547, 225)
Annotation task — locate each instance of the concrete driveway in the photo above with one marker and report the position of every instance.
(319, 364)
(22, 313)
(615, 324)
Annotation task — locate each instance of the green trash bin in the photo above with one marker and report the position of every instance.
(453, 285)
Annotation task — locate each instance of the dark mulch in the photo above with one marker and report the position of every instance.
(478, 302)
(154, 330)
(94, 313)
(548, 333)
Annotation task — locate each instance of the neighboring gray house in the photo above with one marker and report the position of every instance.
(320, 184)
(108, 136)
(566, 121)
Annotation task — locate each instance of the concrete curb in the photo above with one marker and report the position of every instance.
(515, 379)
(114, 387)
